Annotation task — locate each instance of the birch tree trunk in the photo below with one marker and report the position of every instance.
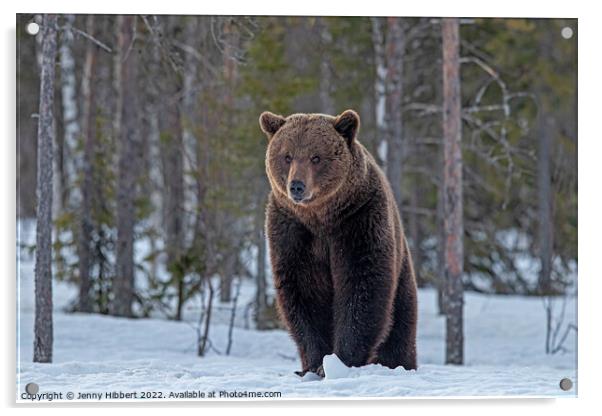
(84, 247)
(71, 194)
(380, 90)
(452, 191)
(152, 142)
(123, 284)
(189, 118)
(43, 335)
(395, 58)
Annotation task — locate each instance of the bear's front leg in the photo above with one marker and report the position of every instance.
(309, 322)
(362, 263)
(303, 285)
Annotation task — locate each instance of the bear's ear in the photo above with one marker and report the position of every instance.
(270, 123)
(347, 124)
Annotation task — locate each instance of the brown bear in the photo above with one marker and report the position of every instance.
(340, 261)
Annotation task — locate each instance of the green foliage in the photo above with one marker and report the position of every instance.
(354, 77)
(268, 79)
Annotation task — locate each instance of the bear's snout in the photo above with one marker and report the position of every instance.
(296, 189)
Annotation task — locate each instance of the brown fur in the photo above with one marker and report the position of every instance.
(342, 269)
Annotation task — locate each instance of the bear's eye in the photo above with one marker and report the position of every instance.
(315, 160)
(288, 159)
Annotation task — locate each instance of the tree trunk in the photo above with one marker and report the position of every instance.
(71, 194)
(395, 58)
(414, 231)
(452, 191)
(227, 273)
(441, 299)
(175, 192)
(326, 102)
(380, 90)
(43, 336)
(261, 294)
(175, 200)
(152, 110)
(225, 219)
(201, 149)
(545, 131)
(85, 244)
(544, 193)
(189, 121)
(123, 284)
(231, 40)
(57, 142)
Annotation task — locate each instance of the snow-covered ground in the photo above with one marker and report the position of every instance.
(504, 354)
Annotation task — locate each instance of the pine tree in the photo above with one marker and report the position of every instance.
(126, 71)
(452, 191)
(43, 334)
(85, 243)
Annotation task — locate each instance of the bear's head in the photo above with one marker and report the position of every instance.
(309, 156)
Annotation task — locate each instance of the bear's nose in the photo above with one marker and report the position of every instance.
(297, 188)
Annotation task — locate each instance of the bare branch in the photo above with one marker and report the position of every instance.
(483, 108)
(419, 210)
(560, 345)
(233, 315)
(159, 44)
(423, 108)
(197, 55)
(493, 74)
(89, 37)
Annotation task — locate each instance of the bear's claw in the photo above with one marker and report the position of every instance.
(319, 371)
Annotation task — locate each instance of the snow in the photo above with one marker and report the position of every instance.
(309, 376)
(504, 354)
(334, 368)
